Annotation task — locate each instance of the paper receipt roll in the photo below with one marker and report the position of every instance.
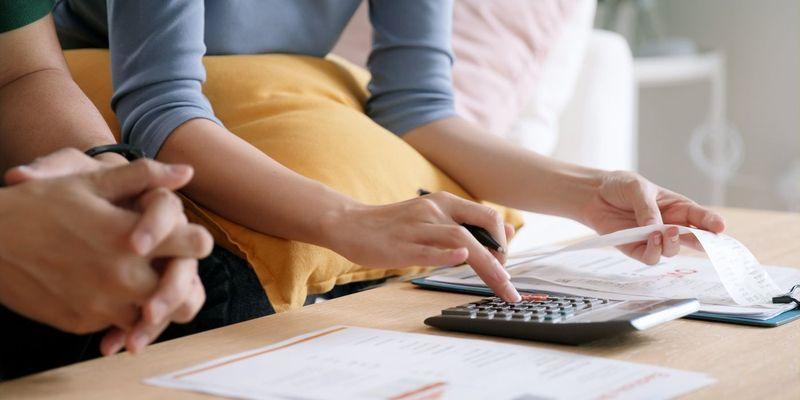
(738, 269)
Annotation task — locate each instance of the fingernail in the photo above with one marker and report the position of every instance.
(143, 242)
(116, 348)
(510, 293)
(158, 310)
(657, 239)
(675, 239)
(178, 169)
(29, 169)
(713, 220)
(139, 342)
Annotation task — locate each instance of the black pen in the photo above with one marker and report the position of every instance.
(482, 235)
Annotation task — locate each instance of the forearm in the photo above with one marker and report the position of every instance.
(41, 107)
(240, 183)
(493, 169)
(45, 111)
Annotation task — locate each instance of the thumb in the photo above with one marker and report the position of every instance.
(645, 207)
(141, 175)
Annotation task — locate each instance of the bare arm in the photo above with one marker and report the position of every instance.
(41, 107)
(493, 169)
(42, 110)
(258, 192)
(255, 190)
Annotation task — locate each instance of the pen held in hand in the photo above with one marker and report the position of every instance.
(482, 235)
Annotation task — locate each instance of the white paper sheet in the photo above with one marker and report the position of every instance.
(360, 363)
(745, 281)
(607, 273)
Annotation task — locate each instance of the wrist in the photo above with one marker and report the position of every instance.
(581, 187)
(111, 159)
(127, 151)
(335, 223)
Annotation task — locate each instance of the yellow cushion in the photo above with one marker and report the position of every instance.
(306, 113)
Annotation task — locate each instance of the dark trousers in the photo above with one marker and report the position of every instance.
(233, 294)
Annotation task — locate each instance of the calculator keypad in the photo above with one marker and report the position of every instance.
(536, 307)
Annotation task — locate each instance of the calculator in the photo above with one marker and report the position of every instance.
(560, 318)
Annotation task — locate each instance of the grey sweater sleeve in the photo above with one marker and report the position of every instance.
(157, 52)
(410, 62)
(157, 68)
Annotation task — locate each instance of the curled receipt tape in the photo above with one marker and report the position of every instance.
(738, 269)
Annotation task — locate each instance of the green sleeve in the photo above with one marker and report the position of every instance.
(18, 13)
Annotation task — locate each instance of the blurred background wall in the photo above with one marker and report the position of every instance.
(761, 42)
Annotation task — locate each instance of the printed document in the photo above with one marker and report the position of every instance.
(358, 363)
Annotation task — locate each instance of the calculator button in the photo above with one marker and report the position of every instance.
(534, 297)
(552, 318)
(458, 311)
(504, 314)
(485, 313)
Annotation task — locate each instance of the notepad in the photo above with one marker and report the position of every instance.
(344, 362)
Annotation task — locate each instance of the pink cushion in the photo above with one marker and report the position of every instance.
(500, 46)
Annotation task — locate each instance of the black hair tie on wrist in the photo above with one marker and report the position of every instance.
(129, 152)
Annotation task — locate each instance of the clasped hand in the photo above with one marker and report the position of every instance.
(87, 247)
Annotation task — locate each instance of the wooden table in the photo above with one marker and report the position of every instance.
(748, 362)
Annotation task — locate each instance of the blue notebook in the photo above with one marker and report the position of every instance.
(778, 320)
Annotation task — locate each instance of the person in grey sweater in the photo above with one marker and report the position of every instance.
(156, 59)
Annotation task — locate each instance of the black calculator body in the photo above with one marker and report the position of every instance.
(560, 318)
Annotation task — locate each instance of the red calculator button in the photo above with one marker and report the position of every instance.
(534, 297)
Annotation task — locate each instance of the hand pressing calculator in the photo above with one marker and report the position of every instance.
(560, 318)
